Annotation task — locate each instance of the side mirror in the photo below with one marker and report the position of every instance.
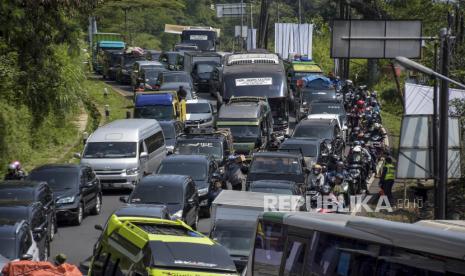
(98, 227)
(144, 155)
(77, 155)
(124, 199)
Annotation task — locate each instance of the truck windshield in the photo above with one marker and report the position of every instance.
(279, 110)
(159, 112)
(203, 39)
(244, 131)
(236, 238)
(200, 147)
(313, 131)
(110, 150)
(277, 165)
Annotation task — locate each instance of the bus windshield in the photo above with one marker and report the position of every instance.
(159, 112)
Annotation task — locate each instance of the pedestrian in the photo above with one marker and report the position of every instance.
(387, 178)
(182, 93)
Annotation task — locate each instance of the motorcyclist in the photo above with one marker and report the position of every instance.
(15, 171)
(338, 190)
(234, 171)
(182, 93)
(340, 169)
(379, 130)
(375, 106)
(318, 178)
(332, 162)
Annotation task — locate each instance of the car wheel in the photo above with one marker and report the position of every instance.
(80, 215)
(196, 222)
(98, 206)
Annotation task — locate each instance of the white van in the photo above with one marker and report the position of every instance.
(123, 151)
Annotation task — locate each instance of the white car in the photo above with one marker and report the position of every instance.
(331, 117)
(199, 113)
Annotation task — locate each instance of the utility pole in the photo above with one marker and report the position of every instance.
(300, 12)
(435, 134)
(242, 25)
(443, 124)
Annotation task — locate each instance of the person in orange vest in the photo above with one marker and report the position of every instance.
(387, 178)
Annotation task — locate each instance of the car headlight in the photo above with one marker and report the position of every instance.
(177, 215)
(203, 191)
(66, 200)
(132, 171)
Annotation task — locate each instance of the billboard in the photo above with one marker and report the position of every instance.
(415, 160)
(419, 98)
(231, 10)
(293, 38)
(376, 38)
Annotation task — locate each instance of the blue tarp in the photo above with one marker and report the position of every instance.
(153, 99)
(321, 80)
(111, 44)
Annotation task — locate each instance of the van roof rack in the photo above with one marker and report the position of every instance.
(253, 58)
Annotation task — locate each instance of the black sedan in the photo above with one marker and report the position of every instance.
(177, 192)
(76, 189)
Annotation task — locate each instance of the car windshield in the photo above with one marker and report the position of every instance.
(156, 193)
(236, 238)
(110, 150)
(195, 108)
(200, 147)
(152, 73)
(129, 61)
(57, 178)
(198, 171)
(275, 165)
(311, 95)
(306, 149)
(326, 108)
(176, 78)
(12, 195)
(168, 131)
(203, 68)
(196, 256)
(268, 190)
(8, 248)
(313, 131)
(243, 131)
(160, 112)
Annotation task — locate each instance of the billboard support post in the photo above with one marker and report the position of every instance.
(435, 132)
(443, 125)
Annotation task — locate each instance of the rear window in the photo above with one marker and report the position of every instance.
(16, 195)
(191, 255)
(278, 165)
(175, 78)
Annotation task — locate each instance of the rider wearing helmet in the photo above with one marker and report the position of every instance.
(318, 177)
(15, 171)
(375, 106)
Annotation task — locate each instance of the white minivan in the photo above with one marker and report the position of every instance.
(123, 151)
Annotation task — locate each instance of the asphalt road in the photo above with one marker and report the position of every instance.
(77, 242)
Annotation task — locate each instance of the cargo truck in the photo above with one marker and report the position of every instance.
(102, 42)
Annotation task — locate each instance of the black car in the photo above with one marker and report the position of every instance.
(76, 189)
(149, 77)
(282, 187)
(171, 131)
(33, 213)
(201, 74)
(111, 60)
(144, 211)
(326, 129)
(152, 55)
(173, 80)
(172, 60)
(124, 68)
(16, 241)
(200, 167)
(329, 107)
(277, 166)
(216, 143)
(177, 192)
(28, 192)
(308, 147)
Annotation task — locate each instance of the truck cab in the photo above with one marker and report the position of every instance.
(205, 38)
(250, 121)
(162, 106)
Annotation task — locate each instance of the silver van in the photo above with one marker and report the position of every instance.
(123, 151)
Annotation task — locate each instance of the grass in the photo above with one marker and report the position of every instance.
(95, 102)
(392, 123)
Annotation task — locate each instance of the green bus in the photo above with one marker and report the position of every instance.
(302, 243)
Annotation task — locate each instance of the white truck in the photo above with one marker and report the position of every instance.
(233, 221)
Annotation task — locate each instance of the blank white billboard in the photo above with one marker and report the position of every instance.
(419, 98)
(290, 38)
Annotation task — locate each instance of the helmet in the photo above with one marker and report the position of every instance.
(316, 169)
(349, 82)
(356, 143)
(339, 176)
(339, 164)
(356, 129)
(324, 168)
(362, 143)
(335, 157)
(374, 102)
(357, 149)
(377, 125)
(11, 167)
(360, 103)
(373, 94)
(232, 157)
(17, 164)
(368, 109)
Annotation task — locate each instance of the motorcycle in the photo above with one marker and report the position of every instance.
(356, 179)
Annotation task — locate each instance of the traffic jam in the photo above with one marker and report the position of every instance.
(226, 137)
